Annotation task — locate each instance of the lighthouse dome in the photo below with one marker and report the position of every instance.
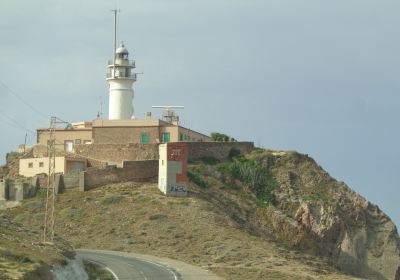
(122, 50)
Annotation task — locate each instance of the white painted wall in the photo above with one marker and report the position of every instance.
(25, 170)
(121, 99)
(162, 168)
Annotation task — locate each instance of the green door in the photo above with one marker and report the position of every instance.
(165, 137)
(145, 138)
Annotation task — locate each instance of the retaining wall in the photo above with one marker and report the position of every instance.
(218, 150)
(117, 153)
(130, 171)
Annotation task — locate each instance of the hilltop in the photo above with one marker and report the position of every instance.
(268, 215)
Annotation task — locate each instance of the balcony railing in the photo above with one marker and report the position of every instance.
(130, 63)
(122, 76)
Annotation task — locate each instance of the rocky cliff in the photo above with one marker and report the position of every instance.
(311, 212)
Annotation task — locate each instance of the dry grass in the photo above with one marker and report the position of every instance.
(135, 217)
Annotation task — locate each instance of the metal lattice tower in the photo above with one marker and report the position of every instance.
(49, 217)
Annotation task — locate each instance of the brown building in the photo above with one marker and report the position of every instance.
(143, 131)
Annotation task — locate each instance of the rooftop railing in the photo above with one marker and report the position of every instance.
(130, 63)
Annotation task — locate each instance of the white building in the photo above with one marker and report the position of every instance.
(121, 79)
(172, 176)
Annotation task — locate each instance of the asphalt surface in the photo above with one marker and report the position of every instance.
(124, 267)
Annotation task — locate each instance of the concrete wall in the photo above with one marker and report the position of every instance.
(19, 189)
(3, 189)
(131, 171)
(71, 181)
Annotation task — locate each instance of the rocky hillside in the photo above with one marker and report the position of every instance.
(135, 217)
(269, 215)
(308, 211)
(22, 256)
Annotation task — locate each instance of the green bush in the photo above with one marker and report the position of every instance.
(71, 213)
(234, 153)
(220, 137)
(42, 193)
(197, 179)
(259, 180)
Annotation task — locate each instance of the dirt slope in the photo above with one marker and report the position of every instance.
(135, 217)
(22, 256)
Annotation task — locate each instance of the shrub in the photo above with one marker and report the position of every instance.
(42, 193)
(234, 153)
(197, 179)
(258, 180)
(220, 137)
(71, 213)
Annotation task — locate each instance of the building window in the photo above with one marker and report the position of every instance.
(41, 164)
(68, 146)
(30, 164)
(180, 136)
(78, 141)
(145, 138)
(87, 142)
(165, 137)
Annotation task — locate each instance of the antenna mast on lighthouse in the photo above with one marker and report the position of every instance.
(120, 79)
(115, 32)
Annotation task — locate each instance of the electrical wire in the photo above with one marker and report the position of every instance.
(22, 100)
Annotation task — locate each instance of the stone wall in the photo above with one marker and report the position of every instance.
(117, 153)
(130, 171)
(218, 150)
(125, 135)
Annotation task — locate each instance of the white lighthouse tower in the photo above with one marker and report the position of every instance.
(121, 79)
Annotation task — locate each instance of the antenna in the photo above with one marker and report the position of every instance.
(168, 114)
(115, 11)
(167, 107)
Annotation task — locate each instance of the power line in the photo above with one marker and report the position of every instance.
(22, 100)
(14, 123)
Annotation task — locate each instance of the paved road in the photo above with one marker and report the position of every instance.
(127, 267)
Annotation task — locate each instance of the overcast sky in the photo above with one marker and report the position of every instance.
(319, 77)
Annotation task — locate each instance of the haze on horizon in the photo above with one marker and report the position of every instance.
(318, 77)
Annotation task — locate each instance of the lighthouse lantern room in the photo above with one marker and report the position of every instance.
(121, 79)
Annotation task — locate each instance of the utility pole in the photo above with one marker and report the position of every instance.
(26, 135)
(48, 233)
(49, 216)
